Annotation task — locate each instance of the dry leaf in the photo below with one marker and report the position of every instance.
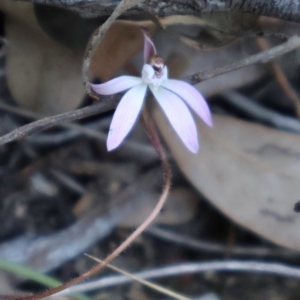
(250, 172)
(42, 75)
(120, 44)
(279, 149)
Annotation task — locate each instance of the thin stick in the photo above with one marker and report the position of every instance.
(143, 150)
(262, 57)
(48, 122)
(33, 115)
(261, 113)
(249, 266)
(211, 247)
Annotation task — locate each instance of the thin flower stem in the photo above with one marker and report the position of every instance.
(154, 138)
(153, 135)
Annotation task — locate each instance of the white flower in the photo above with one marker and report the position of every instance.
(171, 94)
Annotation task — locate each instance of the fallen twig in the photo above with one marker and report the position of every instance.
(262, 57)
(141, 150)
(49, 122)
(210, 247)
(261, 113)
(189, 268)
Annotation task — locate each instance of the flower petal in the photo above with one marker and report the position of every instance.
(125, 115)
(148, 74)
(149, 48)
(116, 85)
(191, 96)
(179, 117)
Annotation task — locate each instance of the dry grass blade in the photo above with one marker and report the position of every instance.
(154, 286)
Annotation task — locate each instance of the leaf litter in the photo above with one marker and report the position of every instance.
(244, 179)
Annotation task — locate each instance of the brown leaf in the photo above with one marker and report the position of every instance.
(249, 172)
(120, 44)
(42, 75)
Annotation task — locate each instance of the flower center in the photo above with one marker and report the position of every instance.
(157, 64)
(155, 72)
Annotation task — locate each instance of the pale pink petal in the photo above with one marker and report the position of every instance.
(116, 85)
(149, 48)
(179, 117)
(125, 115)
(191, 96)
(148, 74)
(164, 73)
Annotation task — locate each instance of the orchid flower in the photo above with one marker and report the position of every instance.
(172, 95)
